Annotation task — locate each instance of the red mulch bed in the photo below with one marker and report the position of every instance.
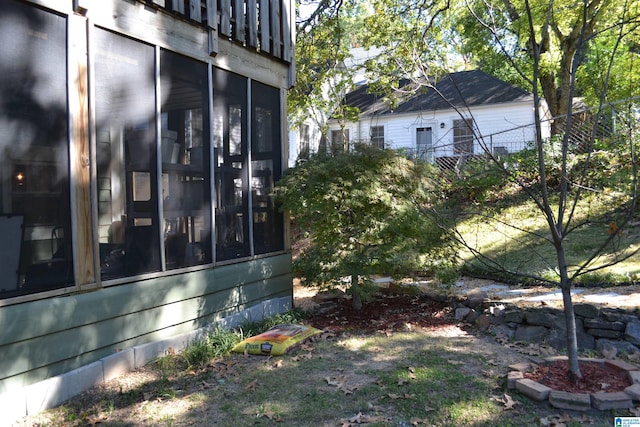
(595, 377)
(386, 313)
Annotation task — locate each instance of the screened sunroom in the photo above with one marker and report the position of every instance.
(141, 141)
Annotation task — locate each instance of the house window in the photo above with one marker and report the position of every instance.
(304, 141)
(34, 181)
(268, 232)
(128, 222)
(339, 140)
(463, 137)
(377, 136)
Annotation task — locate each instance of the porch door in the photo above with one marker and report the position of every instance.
(424, 144)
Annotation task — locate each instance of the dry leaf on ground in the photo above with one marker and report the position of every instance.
(252, 385)
(360, 418)
(555, 420)
(394, 396)
(96, 419)
(507, 401)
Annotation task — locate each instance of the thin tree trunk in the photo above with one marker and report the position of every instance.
(356, 298)
(569, 316)
(572, 339)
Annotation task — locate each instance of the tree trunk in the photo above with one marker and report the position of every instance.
(356, 298)
(572, 338)
(569, 316)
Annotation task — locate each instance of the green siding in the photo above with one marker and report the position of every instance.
(48, 337)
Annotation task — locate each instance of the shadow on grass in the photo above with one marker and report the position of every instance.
(419, 377)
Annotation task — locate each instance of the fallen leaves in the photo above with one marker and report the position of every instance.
(261, 412)
(96, 419)
(564, 420)
(507, 401)
(251, 386)
(635, 411)
(411, 375)
(341, 383)
(300, 357)
(398, 396)
(361, 418)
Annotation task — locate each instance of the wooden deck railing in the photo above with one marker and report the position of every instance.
(265, 26)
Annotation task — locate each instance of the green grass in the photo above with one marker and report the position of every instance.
(412, 378)
(516, 238)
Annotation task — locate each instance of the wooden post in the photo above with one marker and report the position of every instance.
(265, 27)
(195, 14)
(287, 24)
(238, 18)
(252, 17)
(212, 24)
(80, 163)
(276, 36)
(225, 18)
(177, 6)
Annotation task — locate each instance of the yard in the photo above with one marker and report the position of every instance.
(413, 366)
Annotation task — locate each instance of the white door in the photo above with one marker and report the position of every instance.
(424, 144)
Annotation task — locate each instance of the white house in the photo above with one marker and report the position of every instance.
(466, 113)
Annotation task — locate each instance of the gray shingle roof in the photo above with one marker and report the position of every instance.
(465, 88)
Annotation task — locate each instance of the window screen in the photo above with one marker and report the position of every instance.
(231, 173)
(34, 160)
(126, 156)
(265, 168)
(185, 161)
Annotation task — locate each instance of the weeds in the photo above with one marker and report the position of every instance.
(254, 328)
(218, 341)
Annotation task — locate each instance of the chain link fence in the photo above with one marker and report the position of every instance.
(589, 130)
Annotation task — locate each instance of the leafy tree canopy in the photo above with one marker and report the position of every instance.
(422, 39)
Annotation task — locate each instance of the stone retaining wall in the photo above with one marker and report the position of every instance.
(598, 328)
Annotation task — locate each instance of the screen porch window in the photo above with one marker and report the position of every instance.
(268, 231)
(463, 137)
(231, 139)
(186, 224)
(35, 223)
(127, 178)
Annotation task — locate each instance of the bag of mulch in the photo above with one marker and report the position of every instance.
(277, 340)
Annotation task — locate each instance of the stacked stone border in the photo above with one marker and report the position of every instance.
(608, 331)
(600, 328)
(577, 401)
